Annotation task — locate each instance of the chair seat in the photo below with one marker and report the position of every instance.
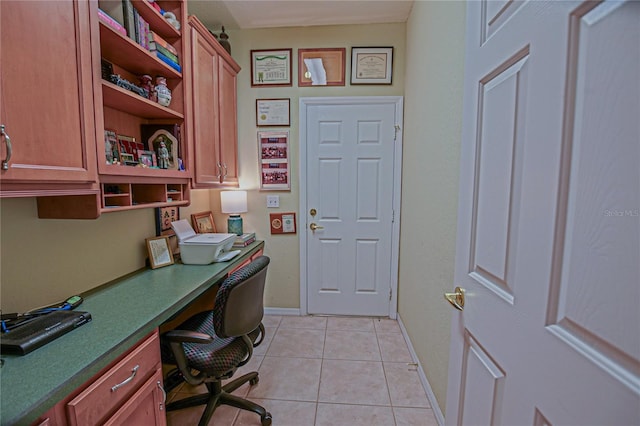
(215, 358)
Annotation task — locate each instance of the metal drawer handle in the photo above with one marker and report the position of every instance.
(134, 370)
(5, 162)
(164, 395)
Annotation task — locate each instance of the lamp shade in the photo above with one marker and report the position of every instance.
(233, 202)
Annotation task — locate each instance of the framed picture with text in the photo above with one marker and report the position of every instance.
(272, 112)
(271, 68)
(371, 65)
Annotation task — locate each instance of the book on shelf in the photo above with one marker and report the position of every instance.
(114, 9)
(112, 23)
(142, 34)
(168, 61)
(155, 47)
(129, 18)
(155, 38)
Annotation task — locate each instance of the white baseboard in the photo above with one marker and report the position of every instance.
(282, 311)
(437, 412)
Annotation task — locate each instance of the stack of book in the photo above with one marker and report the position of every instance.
(164, 51)
(244, 240)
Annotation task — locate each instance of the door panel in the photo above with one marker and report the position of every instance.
(549, 217)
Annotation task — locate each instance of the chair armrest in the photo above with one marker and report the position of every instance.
(186, 336)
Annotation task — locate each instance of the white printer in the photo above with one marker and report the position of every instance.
(203, 249)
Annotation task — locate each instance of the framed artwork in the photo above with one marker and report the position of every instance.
(127, 159)
(203, 223)
(371, 65)
(164, 217)
(159, 252)
(147, 158)
(321, 67)
(282, 223)
(274, 161)
(271, 68)
(272, 112)
(129, 145)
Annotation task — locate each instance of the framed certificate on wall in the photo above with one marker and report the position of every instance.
(371, 65)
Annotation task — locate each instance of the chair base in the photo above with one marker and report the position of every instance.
(219, 395)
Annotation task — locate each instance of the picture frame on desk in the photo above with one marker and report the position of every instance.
(159, 251)
(203, 223)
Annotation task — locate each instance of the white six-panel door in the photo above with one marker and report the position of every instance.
(548, 245)
(350, 178)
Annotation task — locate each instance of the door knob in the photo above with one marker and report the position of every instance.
(456, 299)
(313, 226)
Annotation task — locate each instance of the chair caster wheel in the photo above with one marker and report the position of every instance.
(254, 381)
(266, 419)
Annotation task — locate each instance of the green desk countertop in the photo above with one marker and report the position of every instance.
(122, 314)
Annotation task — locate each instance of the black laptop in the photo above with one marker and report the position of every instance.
(41, 330)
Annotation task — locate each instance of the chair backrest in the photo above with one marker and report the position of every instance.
(239, 304)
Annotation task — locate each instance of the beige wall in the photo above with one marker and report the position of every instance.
(433, 110)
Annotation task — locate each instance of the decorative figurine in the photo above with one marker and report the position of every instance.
(162, 91)
(163, 156)
(224, 41)
(146, 84)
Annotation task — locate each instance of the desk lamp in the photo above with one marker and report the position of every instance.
(234, 203)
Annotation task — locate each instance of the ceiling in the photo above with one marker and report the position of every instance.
(247, 14)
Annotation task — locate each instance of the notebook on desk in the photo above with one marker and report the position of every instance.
(40, 331)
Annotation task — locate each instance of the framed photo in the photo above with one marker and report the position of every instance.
(127, 159)
(159, 252)
(321, 67)
(203, 223)
(272, 112)
(129, 145)
(271, 68)
(274, 161)
(371, 65)
(147, 158)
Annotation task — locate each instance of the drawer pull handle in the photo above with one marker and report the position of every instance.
(7, 139)
(164, 395)
(134, 370)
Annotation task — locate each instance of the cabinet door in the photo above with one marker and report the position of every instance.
(227, 107)
(205, 119)
(214, 105)
(47, 92)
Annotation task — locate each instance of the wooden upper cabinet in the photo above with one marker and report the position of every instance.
(213, 118)
(47, 92)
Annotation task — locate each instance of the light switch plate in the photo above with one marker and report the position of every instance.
(273, 201)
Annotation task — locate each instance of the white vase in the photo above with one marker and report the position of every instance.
(162, 91)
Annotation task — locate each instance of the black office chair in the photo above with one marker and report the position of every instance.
(210, 346)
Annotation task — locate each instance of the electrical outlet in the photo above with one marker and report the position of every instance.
(273, 201)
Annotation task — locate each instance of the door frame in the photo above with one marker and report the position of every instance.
(306, 102)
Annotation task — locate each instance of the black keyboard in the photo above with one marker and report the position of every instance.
(40, 331)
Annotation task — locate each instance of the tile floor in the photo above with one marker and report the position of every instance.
(320, 371)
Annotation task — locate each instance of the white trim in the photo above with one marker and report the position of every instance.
(397, 183)
(437, 412)
(282, 311)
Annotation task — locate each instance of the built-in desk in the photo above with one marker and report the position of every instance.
(123, 313)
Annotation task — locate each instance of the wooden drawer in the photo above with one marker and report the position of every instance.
(107, 393)
(146, 407)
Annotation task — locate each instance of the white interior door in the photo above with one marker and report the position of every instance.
(548, 245)
(350, 175)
